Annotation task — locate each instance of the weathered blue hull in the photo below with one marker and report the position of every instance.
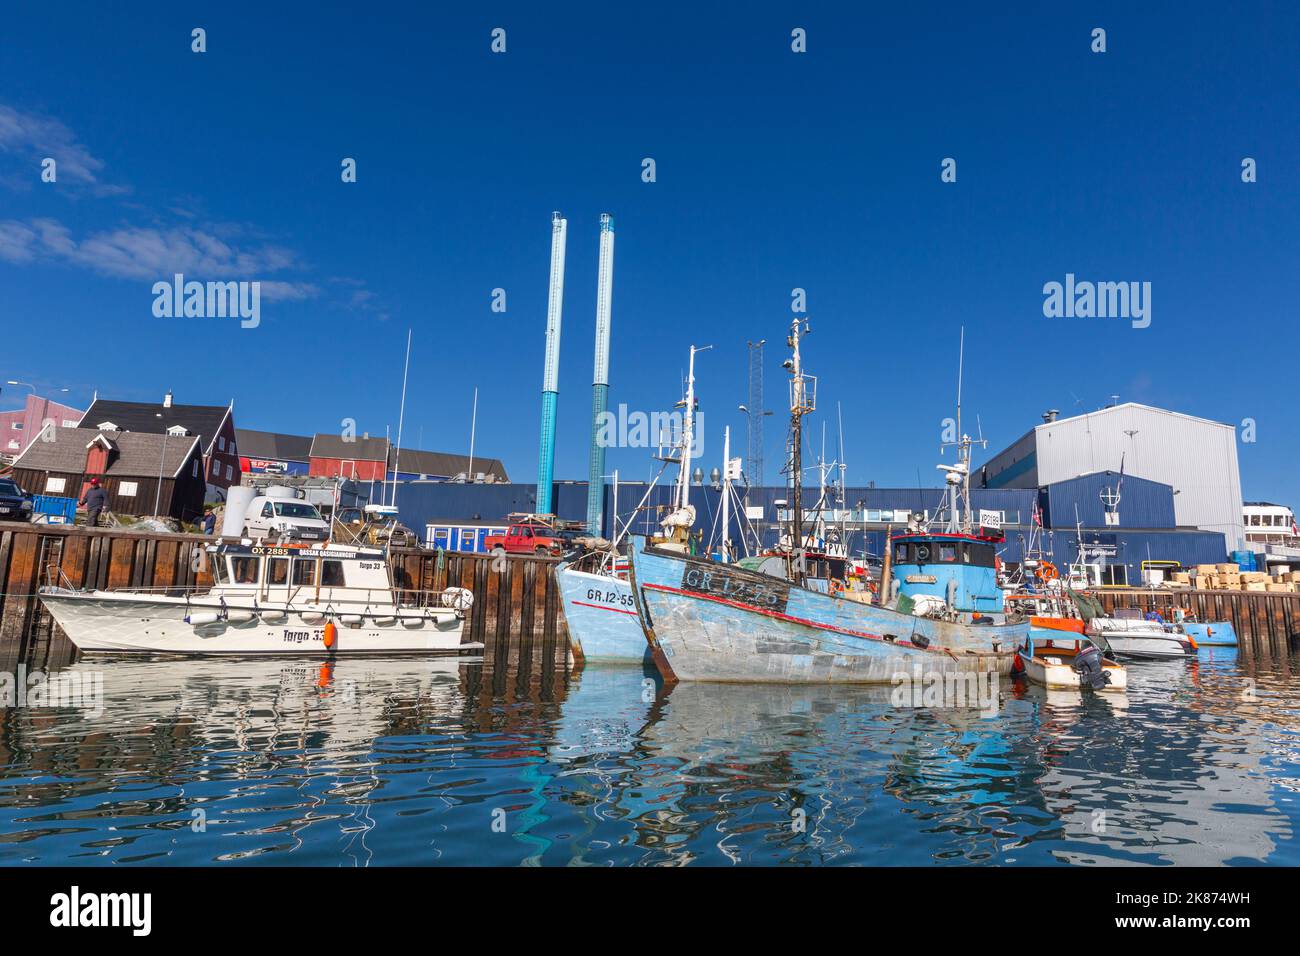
(1212, 634)
(711, 622)
(602, 617)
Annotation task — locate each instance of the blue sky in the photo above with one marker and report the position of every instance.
(775, 170)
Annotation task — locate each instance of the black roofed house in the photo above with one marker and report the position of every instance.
(143, 473)
(282, 454)
(212, 425)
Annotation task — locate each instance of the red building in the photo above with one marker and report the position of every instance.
(361, 458)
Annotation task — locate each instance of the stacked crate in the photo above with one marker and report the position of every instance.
(1285, 582)
(1230, 577)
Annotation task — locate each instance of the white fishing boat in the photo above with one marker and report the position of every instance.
(1138, 639)
(269, 599)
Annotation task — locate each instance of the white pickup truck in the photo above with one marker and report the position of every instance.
(287, 519)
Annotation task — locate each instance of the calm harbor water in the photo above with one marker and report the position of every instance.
(383, 762)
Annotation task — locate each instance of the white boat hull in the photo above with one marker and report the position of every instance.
(1146, 647)
(1053, 675)
(602, 619)
(110, 622)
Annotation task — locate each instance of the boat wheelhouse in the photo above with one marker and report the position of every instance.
(961, 570)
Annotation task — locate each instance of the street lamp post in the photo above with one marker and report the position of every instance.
(157, 495)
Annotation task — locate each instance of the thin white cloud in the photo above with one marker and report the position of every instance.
(185, 240)
(33, 138)
(153, 254)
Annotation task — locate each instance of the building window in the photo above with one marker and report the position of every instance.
(17, 426)
(126, 489)
(195, 470)
(230, 474)
(69, 423)
(54, 486)
(221, 443)
(13, 443)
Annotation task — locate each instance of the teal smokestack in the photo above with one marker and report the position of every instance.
(600, 380)
(551, 370)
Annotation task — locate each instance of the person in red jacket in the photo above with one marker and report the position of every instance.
(96, 500)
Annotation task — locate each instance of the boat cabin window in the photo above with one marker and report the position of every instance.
(243, 570)
(975, 553)
(331, 574)
(277, 571)
(304, 571)
(219, 574)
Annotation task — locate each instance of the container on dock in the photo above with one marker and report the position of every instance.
(50, 509)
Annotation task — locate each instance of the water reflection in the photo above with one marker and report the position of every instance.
(368, 762)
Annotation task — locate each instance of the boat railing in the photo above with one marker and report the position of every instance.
(305, 593)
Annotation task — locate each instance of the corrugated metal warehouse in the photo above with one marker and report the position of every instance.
(459, 516)
(1195, 457)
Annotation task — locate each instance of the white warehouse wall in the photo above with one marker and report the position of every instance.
(1196, 456)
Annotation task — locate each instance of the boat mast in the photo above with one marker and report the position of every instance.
(683, 495)
(801, 403)
(959, 513)
(401, 415)
(726, 493)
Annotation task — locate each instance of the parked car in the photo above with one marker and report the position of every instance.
(15, 504)
(287, 518)
(529, 537)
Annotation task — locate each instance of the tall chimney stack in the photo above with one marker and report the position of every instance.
(551, 369)
(600, 380)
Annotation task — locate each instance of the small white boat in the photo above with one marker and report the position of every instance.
(269, 599)
(1140, 639)
(1066, 660)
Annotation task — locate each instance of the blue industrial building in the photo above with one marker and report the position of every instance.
(1122, 521)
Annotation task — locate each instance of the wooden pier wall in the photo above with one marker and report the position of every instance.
(517, 610)
(1267, 623)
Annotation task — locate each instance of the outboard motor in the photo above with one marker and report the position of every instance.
(1088, 664)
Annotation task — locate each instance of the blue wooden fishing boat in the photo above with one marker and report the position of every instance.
(711, 621)
(707, 621)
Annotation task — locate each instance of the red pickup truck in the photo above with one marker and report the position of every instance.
(528, 537)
